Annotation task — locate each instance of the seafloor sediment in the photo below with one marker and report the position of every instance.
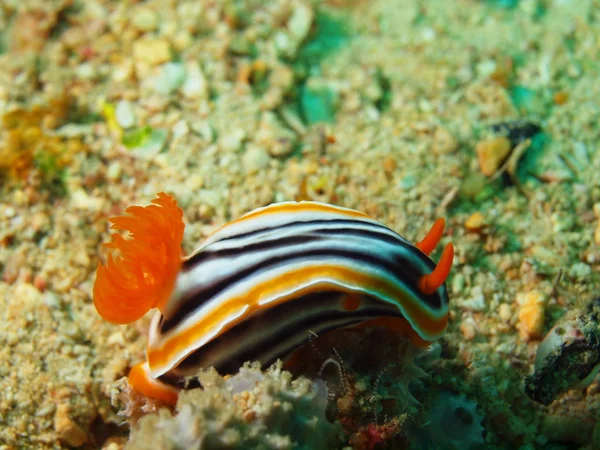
(485, 112)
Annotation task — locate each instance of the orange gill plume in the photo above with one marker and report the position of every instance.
(143, 275)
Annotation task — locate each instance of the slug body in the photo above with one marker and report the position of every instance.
(256, 288)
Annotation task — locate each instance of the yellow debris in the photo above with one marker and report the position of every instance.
(67, 430)
(476, 222)
(492, 153)
(532, 307)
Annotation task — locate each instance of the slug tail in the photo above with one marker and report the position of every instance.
(140, 379)
(143, 274)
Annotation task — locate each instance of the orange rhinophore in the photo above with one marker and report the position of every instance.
(430, 242)
(428, 284)
(142, 276)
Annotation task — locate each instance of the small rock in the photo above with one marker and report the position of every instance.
(255, 159)
(532, 307)
(560, 98)
(170, 78)
(40, 282)
(475, 223)
(194, 182)
(468, 328)
(51, 300)
(27, 294)
(505, 312)
(486, 68)
(408, 181)
(204, 130)
(9, 212)
(389, 165)
(277, 139)
(81, 200)
(122, 72)
(474, 303)
(152, 145)
(458, 284)
(528, 101)
(125, 114)
(114, 170)
(151, 51)
(86, 71)
(286, 46)
(580, 270)
(67, 430)
(144, 19)
(443, 141)
(300, 22)
(40, 221)
(211, 198)
(180, 129)
(492, 153)
(74, 130)
(195, 85)
(232, 141)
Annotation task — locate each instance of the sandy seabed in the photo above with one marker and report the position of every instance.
(406, 110)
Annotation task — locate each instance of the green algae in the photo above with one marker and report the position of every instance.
(317, 103)
(331, 33)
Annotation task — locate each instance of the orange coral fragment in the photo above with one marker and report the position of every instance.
(143, 275)
(428, 284)
(429, 242)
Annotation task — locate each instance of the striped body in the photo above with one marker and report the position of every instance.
(256, 287)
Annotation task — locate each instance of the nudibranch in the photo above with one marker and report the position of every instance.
(259, 284)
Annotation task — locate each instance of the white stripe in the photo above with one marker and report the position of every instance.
(262, 221)
(175, 359)
(299, 229)
(243, 286)
(215, 270)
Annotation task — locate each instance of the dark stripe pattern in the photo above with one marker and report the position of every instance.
(400, 260)
(275, 332)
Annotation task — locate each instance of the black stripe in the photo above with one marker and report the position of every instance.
(285, 327)
(376, 228)
(179, 382)
(301, 238)
(307, 236)
(400, 269)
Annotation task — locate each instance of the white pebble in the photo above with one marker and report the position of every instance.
(10, 212)
(195, 85)
(475, 303)
(144, 19)
(580, 270)
(505, 312)
(300, 22)
(180, 129)
(169, 79)
(232, 141)
(113, 172)
(125, 114)
(81, 200)
(255, 159)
